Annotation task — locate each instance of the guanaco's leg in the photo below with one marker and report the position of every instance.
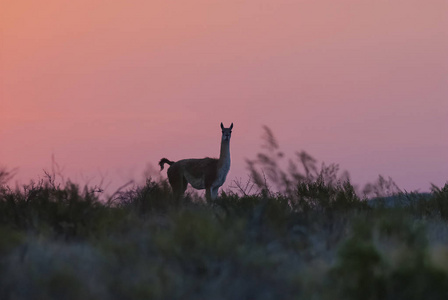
(214, 193)
(208, 195)
(177, 181)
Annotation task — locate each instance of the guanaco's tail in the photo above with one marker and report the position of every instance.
(165, 161)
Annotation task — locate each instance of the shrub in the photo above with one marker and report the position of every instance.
(440, 197)
(66, 212)
(152, 197)
(400, 269)
(360, 270)
(318, 195)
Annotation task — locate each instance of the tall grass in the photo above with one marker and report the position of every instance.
(320, 241)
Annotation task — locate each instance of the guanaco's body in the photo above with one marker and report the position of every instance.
(205, 173)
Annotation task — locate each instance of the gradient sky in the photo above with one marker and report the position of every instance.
(109, 87)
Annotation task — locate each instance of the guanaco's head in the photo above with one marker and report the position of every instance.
(226, 132)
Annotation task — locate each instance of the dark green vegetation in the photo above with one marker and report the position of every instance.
(321, 242)
(304, 233)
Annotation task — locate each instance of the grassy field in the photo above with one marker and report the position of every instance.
(319, 240)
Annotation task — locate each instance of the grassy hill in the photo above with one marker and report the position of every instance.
(318, 240)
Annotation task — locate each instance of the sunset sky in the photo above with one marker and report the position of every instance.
(110, 87)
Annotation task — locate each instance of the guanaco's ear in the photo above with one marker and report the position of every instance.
(231, 126)
(222, 126)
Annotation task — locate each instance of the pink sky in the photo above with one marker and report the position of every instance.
(108, 87)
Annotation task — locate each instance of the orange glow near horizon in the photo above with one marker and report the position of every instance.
(110, 87)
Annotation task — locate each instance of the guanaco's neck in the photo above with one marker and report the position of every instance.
(224, 155)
